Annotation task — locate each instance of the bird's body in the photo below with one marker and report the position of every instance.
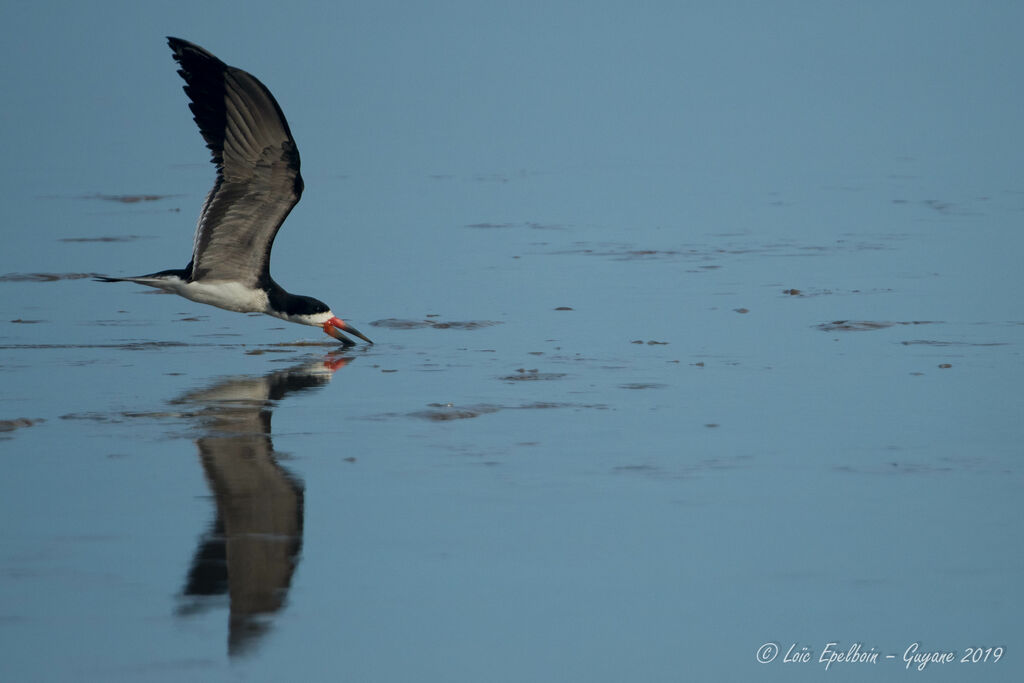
(227, 294)
(258, 182)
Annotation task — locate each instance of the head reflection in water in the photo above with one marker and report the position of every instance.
(250, 552)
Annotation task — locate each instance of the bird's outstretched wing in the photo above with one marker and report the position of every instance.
(258, 180)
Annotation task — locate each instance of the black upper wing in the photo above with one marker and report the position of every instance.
(258, 180)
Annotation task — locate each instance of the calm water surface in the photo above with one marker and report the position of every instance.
(696, 330)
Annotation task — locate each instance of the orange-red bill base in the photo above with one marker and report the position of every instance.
(334, 327)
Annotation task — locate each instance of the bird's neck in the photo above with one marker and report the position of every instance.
(278, 298)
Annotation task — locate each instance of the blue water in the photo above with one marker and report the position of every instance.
(696, 329)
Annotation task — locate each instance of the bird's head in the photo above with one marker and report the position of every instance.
(309, 311)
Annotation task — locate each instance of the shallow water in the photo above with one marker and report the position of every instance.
(648, 391)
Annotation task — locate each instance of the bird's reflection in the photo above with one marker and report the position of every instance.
(250, 552)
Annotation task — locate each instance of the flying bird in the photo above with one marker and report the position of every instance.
(258, 183)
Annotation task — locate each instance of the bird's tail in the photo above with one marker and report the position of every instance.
(168, 283)
(165, 279)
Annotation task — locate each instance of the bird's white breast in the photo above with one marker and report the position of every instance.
(232, 296)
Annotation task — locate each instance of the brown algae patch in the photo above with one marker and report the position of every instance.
(626, 251)
(104, 418)
(804, 293)
(129, 198)
(935, 342)
(18, 423)
(534, 375)
(401, 324)
(866, 325)
(446, 412)
(108, 238)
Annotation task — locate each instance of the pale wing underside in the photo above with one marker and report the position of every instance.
(258, 180)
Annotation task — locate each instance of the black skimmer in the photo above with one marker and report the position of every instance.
(258, 183)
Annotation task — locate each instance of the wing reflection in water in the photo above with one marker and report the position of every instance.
(251, 550)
